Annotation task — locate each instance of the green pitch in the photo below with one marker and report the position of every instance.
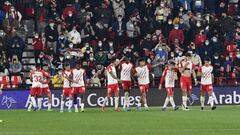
(223, 121)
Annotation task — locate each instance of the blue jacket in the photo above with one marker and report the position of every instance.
(2, 16)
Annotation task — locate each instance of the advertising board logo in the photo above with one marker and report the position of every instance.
(8, 101)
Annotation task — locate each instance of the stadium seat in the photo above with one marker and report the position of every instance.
(16, 81)
(5, 80)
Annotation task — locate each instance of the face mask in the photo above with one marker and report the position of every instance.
(215, 57)
(36, 36)
(111, 44)
(100, 44)
(93, 72)
(68, 56)
(91, 58)
(111, 51)
(60, 73)
(62, 37)
(51, 24)
(71, 45)
(181, 22)
(162, 4)
(206, 43)
(172, 55)
(198, 24)
(169, 22)
(61, 58)
(181, 9)
(160, 49)
(70, 15)
(214, 39)
(87, 52)
(227, 58)
(180, 53)
(176, 28)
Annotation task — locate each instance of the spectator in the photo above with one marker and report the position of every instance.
(175, 34)
(87, 33)
(101, 58)
(51, 34)
(12, 18)
(3, 66)
(133, 30)
(74, 37)
(57, 80)
(217, 63)
(38, 46)
(100, 31)
(15, 66)
(70, 20)
(16, 46)
(40, 9)
(162, 12)
(119, 29)
(118, 7)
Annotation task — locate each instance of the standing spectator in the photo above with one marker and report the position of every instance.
(118, 7)
(74, 37)
(12, 18)
(175, 34)
(87, 33)
(119, 29)
(200, 38)
(166, 28)
(101, 31)
(51, 34)
(38, 46)
(70, 20)
(162, 12)
(133, 30)
(40, 10)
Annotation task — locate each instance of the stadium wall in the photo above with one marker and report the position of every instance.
(19, 99)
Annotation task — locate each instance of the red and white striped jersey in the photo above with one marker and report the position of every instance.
(126, 69)
(168, 77)
(78, 77)
(36, 76)
(143, 74)
(190, 66)
(46, 79)
(110, 79)
(66, 74)
(206, 77)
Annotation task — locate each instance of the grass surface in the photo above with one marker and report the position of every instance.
(223, 121)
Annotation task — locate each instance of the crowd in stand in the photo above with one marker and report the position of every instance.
(97, 30)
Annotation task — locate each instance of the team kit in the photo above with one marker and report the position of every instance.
(74, 84)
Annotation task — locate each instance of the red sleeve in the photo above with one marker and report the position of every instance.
(109, 69)
(120, 66)
(149, 66)
(163, 76)
(180, 64)
(200, 69)
(193, 67)
(134, 71)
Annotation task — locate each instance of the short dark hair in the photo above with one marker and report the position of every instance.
(141, 59)
(207, 59)
(66, 64)
(38, 65)
(188, 55)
